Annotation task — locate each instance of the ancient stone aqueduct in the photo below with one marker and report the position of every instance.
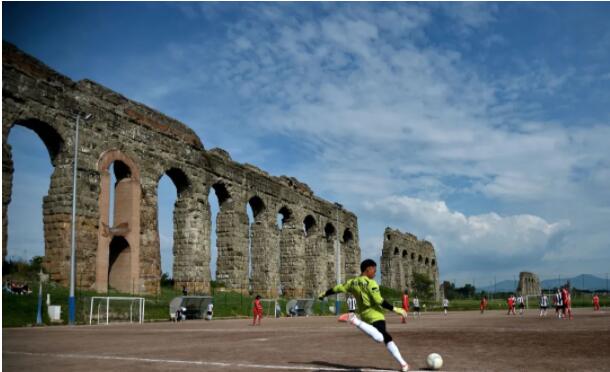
(402, 256)
(143, 145)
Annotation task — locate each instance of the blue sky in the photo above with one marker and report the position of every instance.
(482, 127)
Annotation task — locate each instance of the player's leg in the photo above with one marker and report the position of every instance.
(366, 328)
(390, 345)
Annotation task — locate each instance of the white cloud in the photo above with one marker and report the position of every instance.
(465, 240)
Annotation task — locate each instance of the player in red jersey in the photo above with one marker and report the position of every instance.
(483, 304)
(511, 305)
(405, 306)
(567, 303)
(595, 302)
(257, 310)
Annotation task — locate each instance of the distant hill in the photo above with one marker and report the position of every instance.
(586, 281)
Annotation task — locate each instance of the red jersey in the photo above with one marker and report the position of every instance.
(595, 300)
(258, 307)
(510, 301)
(565, 296)
(405, 302)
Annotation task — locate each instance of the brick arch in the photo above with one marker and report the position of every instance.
(128, 191)
(52, 139)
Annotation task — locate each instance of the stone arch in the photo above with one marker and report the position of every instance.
(287, 215)
(405, 254)
(55, 146)
(329, 231)
(433, 262)
(412, 256)
(309, 225)
(126, 224)
(420, 259)
(427, 261)
(222, 193)
(258, 207)
(396, 251)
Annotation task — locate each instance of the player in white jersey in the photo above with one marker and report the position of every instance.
(520, 304)
(544, 304)
(445, 305)
(558, 303)
(351, 304)
(415, 306)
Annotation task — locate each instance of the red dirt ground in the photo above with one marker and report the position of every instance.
(468, 341)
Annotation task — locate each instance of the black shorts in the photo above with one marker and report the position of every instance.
(521, 306)
(416, 309)
(445, 307)
(380, 326)
(351, 311)
(543, 307)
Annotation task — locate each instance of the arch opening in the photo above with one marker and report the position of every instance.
(309, 224)
(119, 265)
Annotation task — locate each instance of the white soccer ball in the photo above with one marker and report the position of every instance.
(434, 361)
(331, 308)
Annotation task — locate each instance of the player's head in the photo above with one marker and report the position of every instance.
(368, 267)
(406, 291)
(258, 297)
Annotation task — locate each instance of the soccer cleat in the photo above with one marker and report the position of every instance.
(405, 368)
(346, 317)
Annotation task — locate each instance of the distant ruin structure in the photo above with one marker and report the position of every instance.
(402, 256)
(529, 284)
(140, 145)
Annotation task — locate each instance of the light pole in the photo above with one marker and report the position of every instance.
(337, 260)
(71, 299)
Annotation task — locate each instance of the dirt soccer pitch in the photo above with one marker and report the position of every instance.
(467, 341)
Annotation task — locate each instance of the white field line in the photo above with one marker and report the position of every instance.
(195, 362)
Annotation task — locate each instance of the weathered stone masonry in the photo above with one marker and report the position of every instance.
(143, 145)
(402, 256)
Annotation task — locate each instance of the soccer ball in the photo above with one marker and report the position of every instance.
(434, 361)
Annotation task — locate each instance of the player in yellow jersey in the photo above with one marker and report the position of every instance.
(370, 308)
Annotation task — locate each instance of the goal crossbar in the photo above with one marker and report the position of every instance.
(140, 302)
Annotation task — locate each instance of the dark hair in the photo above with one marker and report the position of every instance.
(366, 264)
(258, 297)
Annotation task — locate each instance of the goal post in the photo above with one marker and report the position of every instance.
(117, 309)
(270, 307)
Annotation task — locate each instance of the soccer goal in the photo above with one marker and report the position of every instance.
(271, 307)
(300, 307)
(117, 309)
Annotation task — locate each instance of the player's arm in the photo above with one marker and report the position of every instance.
(376, 296)
(341, 288)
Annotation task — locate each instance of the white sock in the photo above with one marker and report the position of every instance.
(393, 349)
(368, 329)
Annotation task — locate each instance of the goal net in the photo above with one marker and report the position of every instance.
(271, 307)
(116, 309)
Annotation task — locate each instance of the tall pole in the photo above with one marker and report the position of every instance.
(337, 260)
(71, 300)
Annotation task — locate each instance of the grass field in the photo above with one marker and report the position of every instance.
(21, 310)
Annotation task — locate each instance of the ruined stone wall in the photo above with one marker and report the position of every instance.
(145, 145)
(402, 256)
(529, 284)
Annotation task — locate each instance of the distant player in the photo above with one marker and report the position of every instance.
(210, 311)
(521, 304)
(257, 310)
(567, 303)
(445, 305)
(544, 304)
(595, 302)
(415, 306)
(351, 304)
(557, 299)
(511, 305)
(483, 304)
(370, 307)
(405, 305)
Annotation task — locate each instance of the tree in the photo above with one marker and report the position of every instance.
(422, 285)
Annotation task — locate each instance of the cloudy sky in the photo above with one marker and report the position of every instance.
(481, 127)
